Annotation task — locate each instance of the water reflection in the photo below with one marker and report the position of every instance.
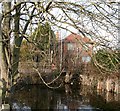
(32, 98)
(20, 107)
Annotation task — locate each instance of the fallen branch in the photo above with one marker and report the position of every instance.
(47, 84)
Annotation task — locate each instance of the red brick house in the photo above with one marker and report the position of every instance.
(74, 50)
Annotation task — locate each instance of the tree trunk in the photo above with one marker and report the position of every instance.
(10, 58)
(5, 44)
(17, 43)
(18, 40)
(3, 66)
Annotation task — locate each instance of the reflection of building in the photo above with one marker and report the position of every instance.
(75, 49)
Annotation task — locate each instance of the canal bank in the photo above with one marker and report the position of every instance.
(87, 74)
(92, 93)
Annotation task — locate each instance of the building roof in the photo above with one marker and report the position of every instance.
(75, 37)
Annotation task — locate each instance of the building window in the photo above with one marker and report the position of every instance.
(86, 58)
(70, 46)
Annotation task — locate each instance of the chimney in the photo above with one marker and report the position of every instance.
(57, 36)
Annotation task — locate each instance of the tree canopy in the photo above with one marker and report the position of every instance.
(43, 36)
(42, 40)
(107, 60)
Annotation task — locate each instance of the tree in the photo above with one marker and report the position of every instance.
(42, 36)
(5, 45)
(95, 19)
(42, 41)
(25, 51)
(10, 58)
(107, 60)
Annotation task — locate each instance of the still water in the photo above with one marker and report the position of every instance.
(37, 98)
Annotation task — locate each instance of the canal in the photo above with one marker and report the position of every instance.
(37, 98)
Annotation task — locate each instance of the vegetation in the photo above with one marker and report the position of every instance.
(25, 51)
(107, 60)
(41, 42)
(97, 20)
(43, 37)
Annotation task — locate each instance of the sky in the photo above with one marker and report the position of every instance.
(65, 33)
(103, 32)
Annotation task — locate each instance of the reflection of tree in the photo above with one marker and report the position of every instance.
(40, 98)
(73, 98)
(35, 97)
(100, 102)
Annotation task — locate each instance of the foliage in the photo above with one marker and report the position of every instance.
(107, 60)
(25, 51)
(42, 39)
(42, 36)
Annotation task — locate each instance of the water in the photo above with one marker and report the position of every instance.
(37, 98)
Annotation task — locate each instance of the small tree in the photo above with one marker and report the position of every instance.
(41, 43)
(107, 60)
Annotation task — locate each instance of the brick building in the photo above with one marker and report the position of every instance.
(74, 50)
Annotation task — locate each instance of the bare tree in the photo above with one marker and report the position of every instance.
(95, 19)
(5, 44)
